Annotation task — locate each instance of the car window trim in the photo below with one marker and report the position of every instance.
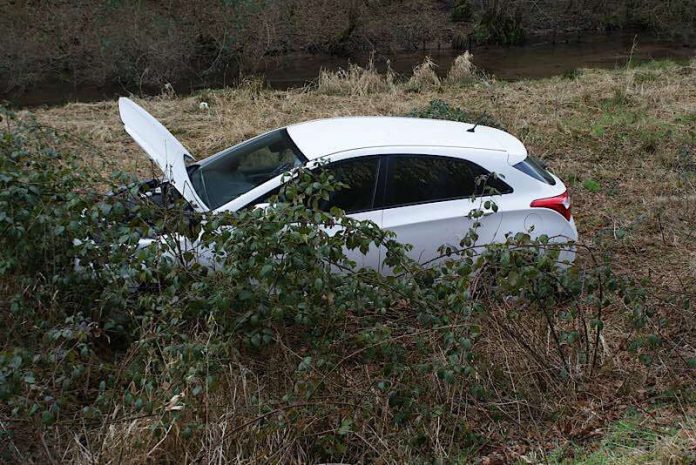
(384, 169)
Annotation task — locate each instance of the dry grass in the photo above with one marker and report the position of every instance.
(631, 132)
(628, 134)
(355, 81)
(424, 77)
(462, 70)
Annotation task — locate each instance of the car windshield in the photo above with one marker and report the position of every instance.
(239, 169)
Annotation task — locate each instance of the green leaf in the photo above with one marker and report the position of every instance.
(266, 269)
(346, 427)
(305, 364)
(48, 418)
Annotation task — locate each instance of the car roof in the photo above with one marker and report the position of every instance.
(328, 136)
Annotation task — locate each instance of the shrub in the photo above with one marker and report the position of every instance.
(439, 109)
(157, 357)
(461, 11)
(499, 26)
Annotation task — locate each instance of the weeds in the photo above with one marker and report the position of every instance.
(437, 364)
(462, 70)
(366, 81)
(635, 439)
(572, 74)
(150, 334)
(439, 109)
(424, 77)
(355, 81)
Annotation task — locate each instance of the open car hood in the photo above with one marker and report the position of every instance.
(162, 148)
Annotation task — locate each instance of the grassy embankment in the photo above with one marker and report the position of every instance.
(622, 140)
(625, 143)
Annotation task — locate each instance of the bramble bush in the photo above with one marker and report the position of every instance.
(439, 109)
(285, 348)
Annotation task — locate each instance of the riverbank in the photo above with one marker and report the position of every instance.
(537, 60)
(623, 140)
(95, 50)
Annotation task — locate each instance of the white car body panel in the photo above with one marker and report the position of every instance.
(329, 136)
(373, 257)
(427, 228)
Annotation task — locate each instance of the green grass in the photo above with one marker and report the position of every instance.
(633, 440)
(591, 185)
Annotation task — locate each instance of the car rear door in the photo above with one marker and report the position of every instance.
(359, 171)
(428, 199)
(358, 199)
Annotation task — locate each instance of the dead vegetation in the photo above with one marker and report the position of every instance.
(625, 143)
(356, 80)
(463, 70)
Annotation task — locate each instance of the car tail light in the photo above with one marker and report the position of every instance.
(559, 203)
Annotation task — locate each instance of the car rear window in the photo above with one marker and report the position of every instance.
(535, 168)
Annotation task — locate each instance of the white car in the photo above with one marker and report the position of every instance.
(415, 177)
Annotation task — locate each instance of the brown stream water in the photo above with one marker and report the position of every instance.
(532, 61)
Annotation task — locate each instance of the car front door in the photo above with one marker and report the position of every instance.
(428, 199)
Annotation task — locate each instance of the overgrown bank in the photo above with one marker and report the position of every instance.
(140, 44)
(430, 367)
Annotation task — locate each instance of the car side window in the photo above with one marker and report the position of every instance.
(415, 179)
(360, 177)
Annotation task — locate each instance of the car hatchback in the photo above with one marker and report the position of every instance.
(419, 178)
